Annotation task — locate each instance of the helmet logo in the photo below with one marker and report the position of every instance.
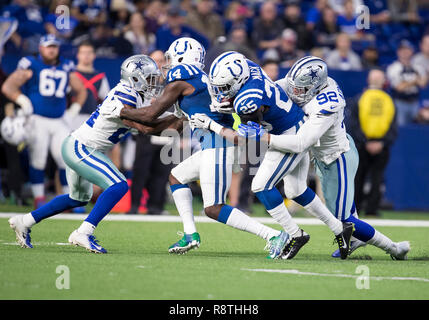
(139, 64)
(184, 50)
(236, 62)
(313, 73)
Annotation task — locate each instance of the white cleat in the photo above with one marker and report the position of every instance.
(400, 250)
(86, 241)
(22, 232)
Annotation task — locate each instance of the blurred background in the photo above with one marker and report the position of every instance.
(378, 52)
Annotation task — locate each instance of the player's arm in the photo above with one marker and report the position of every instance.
(80, 95)
(170, 122)
(11, 88)
(148, 115)
(308, 135)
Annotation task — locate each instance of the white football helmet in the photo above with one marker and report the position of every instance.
(227, 75)
(184, 50)
(13, 129)
(142, 74)
(307, 77)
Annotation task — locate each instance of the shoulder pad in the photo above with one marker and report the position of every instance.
(25, 63)
(125, 94)
(248, 101)
(182, 72)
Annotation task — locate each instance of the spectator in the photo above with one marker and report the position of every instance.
(287, 54)
(142, 41)
(292, 19)
(373, 128)
(148, 171)
(267, 27)
(155, 16)
(89, 13)
(238, 41)
(421, 59)
(343, 58)
(405, 11)
(271, 68)
(379, 12)
(107, 45)
(314, 14)
(175, 29)
(347, 21)
(120, 15)
(205, 20)
(339, 5)
(30, 24)
(95, 82)
(406, 79)
(327, 28)
(238, 15)
(370, 57)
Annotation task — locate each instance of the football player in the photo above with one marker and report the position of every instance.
(256, 97)
(335, 155)
(44, 81)
(187, 83)
(84, 150)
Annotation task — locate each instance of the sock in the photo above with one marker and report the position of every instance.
(312, 203)
(273, 202)
(37, 178)
(182, 196)
(239, 220)
(106, 201)
(38, 190)
(381, 241)
(363, 231)
(28, 220)
(53, 207)
(86, 228)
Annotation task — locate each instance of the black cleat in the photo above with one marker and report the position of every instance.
(343, 239)
(294, 245)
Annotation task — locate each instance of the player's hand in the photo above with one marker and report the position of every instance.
(200, 121)
(177, 112)
(252, 130)
(25, 103)
(73, 110)
(112, 109)
(222, 107)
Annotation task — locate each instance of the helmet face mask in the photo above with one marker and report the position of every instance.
(142, 74)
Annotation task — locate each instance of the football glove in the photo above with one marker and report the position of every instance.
(252, 130)
(222, 107)
(25, 103)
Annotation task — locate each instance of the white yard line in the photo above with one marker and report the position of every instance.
(203, 219)
(338, 275)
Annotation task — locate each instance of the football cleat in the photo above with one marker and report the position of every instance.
(276, 245)
(294, 245)
(343, 239)
(400, 250)
(188, 242)
(22, 232)
(86, 241)
(354, 244)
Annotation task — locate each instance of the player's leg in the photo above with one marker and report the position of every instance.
(185, 172)
(38, 147)
(272, 170)
(295, 186)
(98, 169)
(215, 179)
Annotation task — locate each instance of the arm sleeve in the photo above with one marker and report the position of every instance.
(309, 133)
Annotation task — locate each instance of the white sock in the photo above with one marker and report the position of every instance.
(282, 216)
(239, 220)
(38, 190)
(183, 200)
(86, 228)
(28, 220)
(66, 189)
(320, 211)
(381, 241)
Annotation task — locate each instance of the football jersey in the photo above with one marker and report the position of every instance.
(47, 88)
(330, 101)
(101, 133)
(199, 102)
(259, 90)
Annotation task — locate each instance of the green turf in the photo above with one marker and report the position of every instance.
(139, 267)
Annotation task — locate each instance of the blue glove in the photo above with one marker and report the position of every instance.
(252, 130)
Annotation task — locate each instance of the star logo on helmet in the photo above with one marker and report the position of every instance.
(313, 74)
(139, 64)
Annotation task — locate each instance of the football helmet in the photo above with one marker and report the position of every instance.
(227, 75)
(13, 129)
(184, 50)
(142, 74)
(307, 77)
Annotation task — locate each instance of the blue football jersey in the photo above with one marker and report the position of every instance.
(47, 88)
(259, 90)
(199, 102)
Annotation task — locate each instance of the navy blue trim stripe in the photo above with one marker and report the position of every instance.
(303, 64)
(102, 162)
(323, 111)
(127, 102)
(126, 96)
(224, 173)
(175, 187)
(345, 188)
(279, 167)
(224, 213)
(216, 176)
(337, 202)
(286, 170)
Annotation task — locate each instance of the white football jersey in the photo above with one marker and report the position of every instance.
(101, 133)
(327, 104)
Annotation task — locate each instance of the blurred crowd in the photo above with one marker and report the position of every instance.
(391, 36)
